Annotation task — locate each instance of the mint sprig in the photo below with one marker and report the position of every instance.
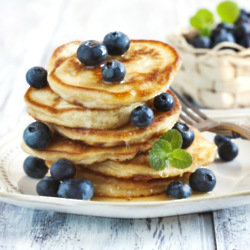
(203, 21)
(167, 150)
(228, 11)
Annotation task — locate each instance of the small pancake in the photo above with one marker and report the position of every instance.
(150, 67)
(106, 186)
(44, 105)
(128, 134)
(203, 153)
(80, 153)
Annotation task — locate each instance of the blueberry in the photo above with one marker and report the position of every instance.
(142, 116)
(164, 102)
(37, 135)
(219, 139)
(35, 167)
(117, 43)
(47, 187)
(223, 36)
(245, 41)
(62, 170)
(201, 42)
(186, 133)
(37, 77)
(178, 190)
(244, 17)
(78, 188)
(241, 31)
(92, 53)
(228, 151)
(225, 26)
(202, 180)
(113, 71)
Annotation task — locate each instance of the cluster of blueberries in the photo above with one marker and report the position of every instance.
(61, 183)
(202, 180)
(238, 33)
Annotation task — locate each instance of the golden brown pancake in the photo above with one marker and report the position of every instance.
(44, 105)
(80, 153)
(203, 153)
(150, 67)
(128, 134)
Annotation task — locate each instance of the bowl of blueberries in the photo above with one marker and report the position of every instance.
(216, 57)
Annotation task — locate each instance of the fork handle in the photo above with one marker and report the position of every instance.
(226, 128)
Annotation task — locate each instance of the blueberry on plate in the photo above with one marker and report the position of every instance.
(178, 190)
(228, 151)
(117, 43)
(37, 135)
(202, 180)
(36, 77)
(62, 170)
(164, 102)
(202, 42)
(78, 188)
(92, 53)
(219, 139)
(35, 167)
(241, 31)
(113, 71)
(186, 133)
(142, 116)
(47, 187)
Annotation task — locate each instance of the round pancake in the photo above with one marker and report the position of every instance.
(79, 153)
(128, 134)
(44, 105)
(203, 153)
(106, 186)
(150, 67)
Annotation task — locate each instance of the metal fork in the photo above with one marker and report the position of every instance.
(193, 116)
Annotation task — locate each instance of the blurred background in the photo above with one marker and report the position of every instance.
(31, 29)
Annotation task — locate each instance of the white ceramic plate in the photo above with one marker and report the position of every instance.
(232, 188)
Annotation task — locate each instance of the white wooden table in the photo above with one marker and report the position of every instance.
(30, 30)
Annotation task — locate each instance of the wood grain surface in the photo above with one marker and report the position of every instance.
(30, 30)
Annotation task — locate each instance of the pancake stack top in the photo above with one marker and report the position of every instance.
(90, 119)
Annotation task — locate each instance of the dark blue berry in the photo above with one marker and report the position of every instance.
(78, 188)
(62, 170)
(164, 102)
(178, 190)
(35, 167)
(219, 139)
(245, 41)
(36, 77)
(117, 43)
(244, 17)
(223, 36)
(142, 116)
(228, 151)
(47, 187)
(202, 180)
(202, 42)
(225, 26)
(186, 133)
(113, 71)
(92, 53)
(37, 135)
(241, 31)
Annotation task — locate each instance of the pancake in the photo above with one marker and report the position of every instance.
(126, 188)
(80, 153)
(44, 105)
(203, 153)
(128, 134)
(150, 67)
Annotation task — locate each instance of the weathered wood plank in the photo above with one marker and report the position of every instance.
(232, 228)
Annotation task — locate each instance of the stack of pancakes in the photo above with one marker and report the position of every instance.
(91, 119)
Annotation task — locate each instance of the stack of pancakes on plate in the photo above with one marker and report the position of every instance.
(91, 119)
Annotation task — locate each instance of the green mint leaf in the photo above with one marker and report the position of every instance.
(162, 148)
(174, 137)
(203, 21)
(156, 162)
(228, 11)
(181, 159)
